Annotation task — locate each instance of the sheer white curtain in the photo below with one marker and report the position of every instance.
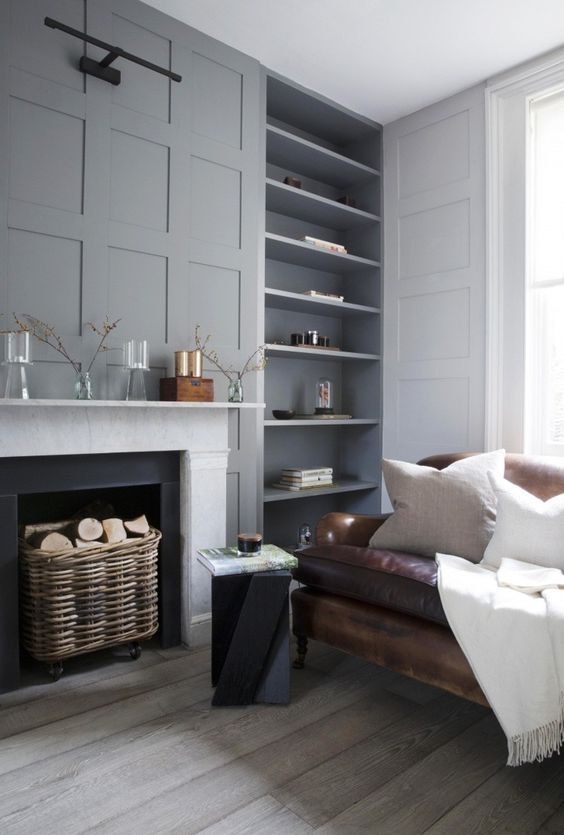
(544, 384)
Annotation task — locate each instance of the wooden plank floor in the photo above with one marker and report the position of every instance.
(118, 746)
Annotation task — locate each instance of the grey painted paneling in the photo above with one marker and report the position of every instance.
(217, 92)
(420, 339)
(42, 51)
(207, 284)
(434, 283)
(47, 156)
(45, 279)
(215, 200)
(139, 181)
(141, 89)
(435, 412)
(420, 169)
(434, 240)
(139, 201)
(138, 294)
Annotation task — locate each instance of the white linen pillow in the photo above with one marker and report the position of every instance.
(527, 529)
(451, 511)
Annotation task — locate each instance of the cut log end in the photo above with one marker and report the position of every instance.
(137, 527)
(51, 542)
(89, 529)
(114, 530)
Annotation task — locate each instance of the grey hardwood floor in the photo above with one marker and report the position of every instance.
(118, 746)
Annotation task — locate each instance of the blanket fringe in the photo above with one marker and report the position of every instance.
(539, 743)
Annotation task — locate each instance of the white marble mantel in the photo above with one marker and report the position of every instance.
(198, 431)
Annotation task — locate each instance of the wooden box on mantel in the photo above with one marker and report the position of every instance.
(187, 389)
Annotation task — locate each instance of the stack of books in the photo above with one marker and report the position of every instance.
(296, 478)
(329, 245)
(221, 561)
(319, 294)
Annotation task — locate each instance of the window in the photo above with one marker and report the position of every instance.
(544, 302)
(524, 402)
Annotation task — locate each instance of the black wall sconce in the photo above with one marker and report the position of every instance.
(101, 69)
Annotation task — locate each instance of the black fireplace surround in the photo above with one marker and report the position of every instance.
(25, 485)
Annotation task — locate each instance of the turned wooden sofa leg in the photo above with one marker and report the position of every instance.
(301, 650)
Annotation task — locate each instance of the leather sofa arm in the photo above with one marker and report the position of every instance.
(347, 528)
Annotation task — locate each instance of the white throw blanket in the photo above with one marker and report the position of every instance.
(510, 626)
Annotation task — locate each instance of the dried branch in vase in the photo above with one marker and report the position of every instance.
(46, 334)
(256, 362)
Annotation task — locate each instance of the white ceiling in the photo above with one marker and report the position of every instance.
(382, 58)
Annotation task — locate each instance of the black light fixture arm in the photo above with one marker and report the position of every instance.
(101, 69)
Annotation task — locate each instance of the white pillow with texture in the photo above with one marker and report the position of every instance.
(527, 529)
(451, 511)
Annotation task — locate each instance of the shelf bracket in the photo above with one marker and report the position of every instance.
(102, 69)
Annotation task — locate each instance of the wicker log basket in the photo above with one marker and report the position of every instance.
(88, 598)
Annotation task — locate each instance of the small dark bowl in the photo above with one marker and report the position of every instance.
(283, 414)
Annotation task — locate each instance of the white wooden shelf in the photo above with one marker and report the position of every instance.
(300, 303)
(343, 485)
(291, 251)
(289, 151)
(317, 353)
(304, 205)
(296, 422)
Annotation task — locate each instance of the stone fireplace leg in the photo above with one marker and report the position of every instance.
(203, 514)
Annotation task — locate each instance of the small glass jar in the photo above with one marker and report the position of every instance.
(83, 386)
(235, 391)
(324, 397)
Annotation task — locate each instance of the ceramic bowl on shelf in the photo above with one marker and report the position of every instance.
(283, 414)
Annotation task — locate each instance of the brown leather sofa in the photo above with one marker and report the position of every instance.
(384, 606)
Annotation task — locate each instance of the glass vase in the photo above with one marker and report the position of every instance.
(235, 391)
(16, 381)
(136, 385)
(83, 386)
(17, 358)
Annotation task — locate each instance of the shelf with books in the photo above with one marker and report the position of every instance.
(341, 485)
(302, 303)
(292, 251)
(336, 154)
(287, 150)
(298, 203)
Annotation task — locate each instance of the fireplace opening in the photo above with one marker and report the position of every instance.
(54, 488)
(127, 503)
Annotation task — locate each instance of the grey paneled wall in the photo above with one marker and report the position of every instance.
(138, 201)
(434, 287)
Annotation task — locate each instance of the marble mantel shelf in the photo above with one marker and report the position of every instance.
(129, 404)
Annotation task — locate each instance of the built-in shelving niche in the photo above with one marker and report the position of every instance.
(334, 153)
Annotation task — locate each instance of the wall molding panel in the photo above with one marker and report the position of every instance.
(434, 286)
(139, 201)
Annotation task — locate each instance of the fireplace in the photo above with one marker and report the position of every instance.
(176, 453)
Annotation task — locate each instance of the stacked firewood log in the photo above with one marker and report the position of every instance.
(84, 532)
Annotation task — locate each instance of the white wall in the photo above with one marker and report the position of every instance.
(434, 281)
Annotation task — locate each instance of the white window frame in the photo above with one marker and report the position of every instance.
(507, 106)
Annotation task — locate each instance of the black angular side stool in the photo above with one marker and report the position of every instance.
(251, 638)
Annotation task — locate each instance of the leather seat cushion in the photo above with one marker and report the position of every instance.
(394, 579)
